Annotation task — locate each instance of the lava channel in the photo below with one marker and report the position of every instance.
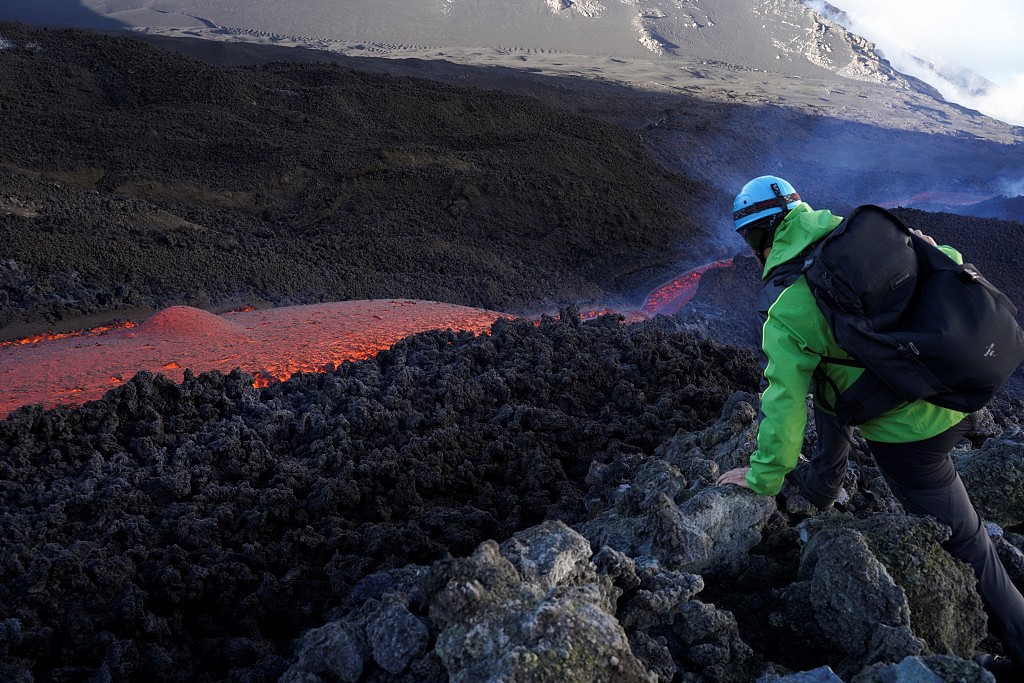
(272, 344)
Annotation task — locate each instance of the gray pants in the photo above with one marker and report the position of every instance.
(923, 478)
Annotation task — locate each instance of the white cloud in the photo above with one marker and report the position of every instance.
(982, 37)
(1005, 101)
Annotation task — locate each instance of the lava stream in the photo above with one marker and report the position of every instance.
(274, 344)
(270, 344)
(668, 299)
(52, 336)
(672, 296)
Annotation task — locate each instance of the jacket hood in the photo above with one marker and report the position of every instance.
(802, 227)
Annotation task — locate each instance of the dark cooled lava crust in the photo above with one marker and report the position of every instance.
(138, 177)
(193, 531)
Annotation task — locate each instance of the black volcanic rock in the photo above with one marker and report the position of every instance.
(1005, 208)
(136, 176)
(194, 530)
(213, 531)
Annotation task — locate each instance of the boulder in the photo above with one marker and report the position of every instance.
(933, 669)
(714, 530)
(727, 443)
(880, 589)
(329, 652)
(546, 623)
(994, 477)
(395, 635)
(650, 511)
(822, 674)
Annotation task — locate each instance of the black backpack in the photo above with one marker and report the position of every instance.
(923, 326)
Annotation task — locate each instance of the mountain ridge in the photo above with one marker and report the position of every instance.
(722, 50)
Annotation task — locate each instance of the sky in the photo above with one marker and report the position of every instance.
(983, 36)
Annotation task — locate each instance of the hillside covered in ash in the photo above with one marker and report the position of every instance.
(137, 177)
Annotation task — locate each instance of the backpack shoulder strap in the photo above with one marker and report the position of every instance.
(865, 399)
(779, 278)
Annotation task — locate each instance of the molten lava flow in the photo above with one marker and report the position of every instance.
(672, 296)
(939, 197)
(270, 344)
(667, 299)
(52, 336)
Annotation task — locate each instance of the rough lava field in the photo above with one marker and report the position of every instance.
(529, 497)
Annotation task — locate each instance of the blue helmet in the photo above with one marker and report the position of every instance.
(762, 197)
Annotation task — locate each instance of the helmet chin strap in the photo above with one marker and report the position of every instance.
(771, 225)
(773, 222)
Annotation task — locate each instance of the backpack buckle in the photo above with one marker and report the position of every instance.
(909, 349)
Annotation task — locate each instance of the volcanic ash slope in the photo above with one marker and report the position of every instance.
(139, 177)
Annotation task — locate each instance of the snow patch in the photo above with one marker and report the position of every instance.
(5, 44)
(826, 32)
(646, 37)
(590, 9)
(685, 15)
(652, 13)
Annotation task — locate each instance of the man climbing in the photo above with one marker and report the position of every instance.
(910, 442)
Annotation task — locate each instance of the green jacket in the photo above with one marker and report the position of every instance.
(794, 336)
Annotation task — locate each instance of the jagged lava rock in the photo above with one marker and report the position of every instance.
(994, 477)
(553, 622)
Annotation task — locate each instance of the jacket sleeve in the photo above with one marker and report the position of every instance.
(790, 364)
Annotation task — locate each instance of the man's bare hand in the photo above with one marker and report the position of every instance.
(737, 476)
(926, 238)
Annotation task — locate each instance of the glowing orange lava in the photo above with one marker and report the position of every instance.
(939, 197)
(271, 344)
(667, 299)
(672, 296)
(52, 336)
